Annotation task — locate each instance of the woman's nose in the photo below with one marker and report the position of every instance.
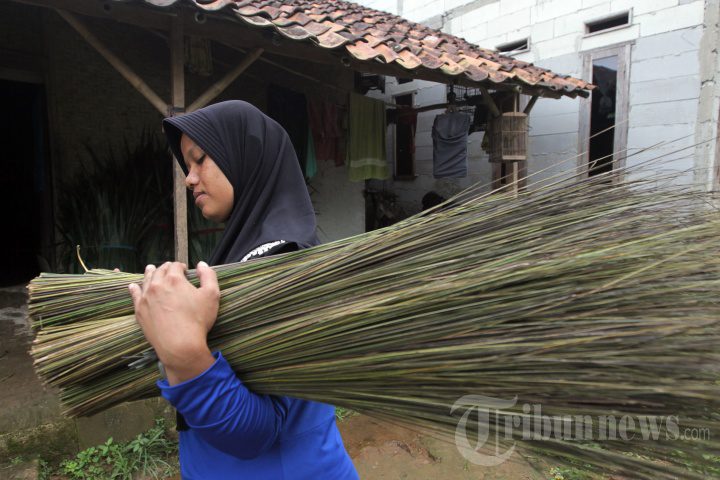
(191, 179)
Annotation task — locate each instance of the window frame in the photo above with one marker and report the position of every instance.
(501, 48)
(622, 106)
(588, 23)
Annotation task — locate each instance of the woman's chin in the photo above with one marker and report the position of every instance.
(212, 216)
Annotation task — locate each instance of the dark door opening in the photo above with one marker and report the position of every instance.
(603, 115)
(405, 140)
(27, 218)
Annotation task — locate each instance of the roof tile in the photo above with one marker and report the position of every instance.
(369, 34)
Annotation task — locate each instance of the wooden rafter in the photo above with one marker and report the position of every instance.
(489, 102)
(530, 105)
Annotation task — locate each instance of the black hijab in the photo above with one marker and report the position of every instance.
(254, 152)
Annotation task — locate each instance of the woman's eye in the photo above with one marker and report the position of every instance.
(200, 160)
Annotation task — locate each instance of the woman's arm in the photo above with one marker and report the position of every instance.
(176, 317)
(219, 408)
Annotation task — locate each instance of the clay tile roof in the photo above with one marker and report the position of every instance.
(372, 35)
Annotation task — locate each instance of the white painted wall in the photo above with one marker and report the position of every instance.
(674, 75)
(339, 203)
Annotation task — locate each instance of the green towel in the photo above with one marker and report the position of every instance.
(366, 149)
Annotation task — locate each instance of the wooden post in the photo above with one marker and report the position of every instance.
(115, 61)
(177, 88)
(223, 83)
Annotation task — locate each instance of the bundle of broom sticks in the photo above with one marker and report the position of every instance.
(588, 298)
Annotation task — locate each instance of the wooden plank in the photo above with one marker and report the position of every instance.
(224, 82)
(177, 85)
(622, 107)
(115, 61)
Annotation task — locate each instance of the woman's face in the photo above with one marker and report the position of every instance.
(212, 191)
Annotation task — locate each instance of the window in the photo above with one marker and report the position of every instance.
(514, 47)
(604, 115)
(608, 23)
(405, 140)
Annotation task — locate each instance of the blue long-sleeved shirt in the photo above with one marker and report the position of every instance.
(237, 434)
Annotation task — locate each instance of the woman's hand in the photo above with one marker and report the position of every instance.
(176, 317)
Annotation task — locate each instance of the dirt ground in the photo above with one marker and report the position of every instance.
(382, 451)
(25, 403)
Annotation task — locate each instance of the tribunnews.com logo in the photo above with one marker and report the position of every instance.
(531, 424)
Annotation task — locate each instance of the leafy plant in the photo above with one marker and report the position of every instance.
(342, 413)
(118, 209)
(147, 454)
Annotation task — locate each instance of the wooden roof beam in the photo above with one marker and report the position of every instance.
(488, 101)
(530, 105)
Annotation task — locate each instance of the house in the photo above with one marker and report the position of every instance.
(84, 75)
(655, 63)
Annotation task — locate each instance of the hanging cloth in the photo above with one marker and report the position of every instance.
(366, 152)
(449, 134)
(324, 124)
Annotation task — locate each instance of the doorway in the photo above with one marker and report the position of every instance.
(27, 215)
(405, 139)
(603, 132)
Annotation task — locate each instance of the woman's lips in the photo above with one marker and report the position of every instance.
(199, 197)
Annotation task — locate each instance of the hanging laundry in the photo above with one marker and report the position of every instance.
(449, 134)
(289, 109)
(366, 152)
(324, 124)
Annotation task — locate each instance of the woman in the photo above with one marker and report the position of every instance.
(242, 170)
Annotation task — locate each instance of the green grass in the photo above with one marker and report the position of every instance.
(568, 473)
(343, 414)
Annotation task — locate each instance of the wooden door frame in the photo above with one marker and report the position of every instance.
(622, 105)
